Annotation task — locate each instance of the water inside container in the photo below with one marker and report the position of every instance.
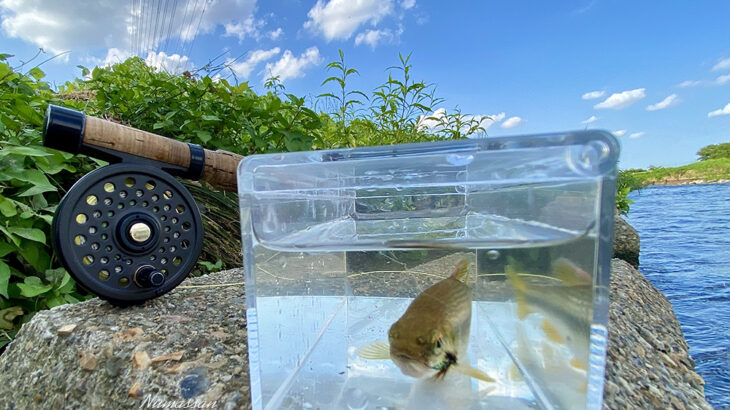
(314, 310)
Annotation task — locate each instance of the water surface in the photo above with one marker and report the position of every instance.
(685, 253)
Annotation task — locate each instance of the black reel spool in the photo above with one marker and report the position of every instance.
(128, 232)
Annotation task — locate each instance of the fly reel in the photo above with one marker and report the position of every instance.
(128, 232)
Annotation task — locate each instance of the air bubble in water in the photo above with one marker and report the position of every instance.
(356, 399)
(493, 254)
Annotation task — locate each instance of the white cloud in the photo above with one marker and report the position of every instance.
(723, 79)
(619, 133)
(431, 121)
(493, 119)
(690, 83)
(339, 19)
(437, 121)
(113, 56)
(722, 111)
(585, 8)
(723, 64)
(249, 27)
(373, 37)
(407, 4)
(275, 34)
(173, 64)
(243, 69)
(512, 122)
(289, 66)
(623, 99)
(670, 101)
(637, 134)
(593, 95)
(593, 118)
(104, 24)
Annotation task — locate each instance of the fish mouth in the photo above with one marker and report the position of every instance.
(411, 367)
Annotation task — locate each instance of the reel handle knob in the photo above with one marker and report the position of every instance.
(147, 276)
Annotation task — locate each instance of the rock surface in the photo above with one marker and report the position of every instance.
(648, 363)
(191, 345)
(626, 242)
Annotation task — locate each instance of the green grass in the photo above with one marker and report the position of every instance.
(708, 170)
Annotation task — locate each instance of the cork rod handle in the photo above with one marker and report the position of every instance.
(70, 130)
(220, 166)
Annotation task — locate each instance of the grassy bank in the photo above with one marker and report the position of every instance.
(710, 170)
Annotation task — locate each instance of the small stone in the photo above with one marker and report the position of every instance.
(176, 356)
(47, 335)
(215, 393)
(219, 334)
(66, 330)
(113, 367)
(194, 383)
(87, 360)
(232, 402)
(135, 391)
(140, 360)
(130, 334)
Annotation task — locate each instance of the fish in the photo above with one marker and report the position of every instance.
(565, 314)
(432, 336)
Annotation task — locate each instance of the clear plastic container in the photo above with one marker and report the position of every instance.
(338, 243)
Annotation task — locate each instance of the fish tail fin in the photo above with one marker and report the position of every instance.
(520, 287)
(569, 273)
(472, 372)
(375, 351)
(460, 270)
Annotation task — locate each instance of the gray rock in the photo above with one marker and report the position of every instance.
(625, 241)
(646, 342)
(201, 355)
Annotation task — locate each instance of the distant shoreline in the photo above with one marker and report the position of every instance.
(675, 182)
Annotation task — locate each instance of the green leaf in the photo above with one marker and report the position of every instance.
(32, 286)
(7, 207)
(204, 136)
(54, 300)
(67, 285)
(31, 234)
(10, 236)
(37, 73)
(4, 279)
(70, 299)
(4, 69)
(38, 189)
(207, 117)
(33, 176)
(5, 248)
(29, 151)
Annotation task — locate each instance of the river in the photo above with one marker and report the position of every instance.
(685, 253)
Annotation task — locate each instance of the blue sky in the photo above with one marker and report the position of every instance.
(655, 73)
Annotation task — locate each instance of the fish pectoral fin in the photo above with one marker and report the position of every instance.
(375, 351)
(472, 372)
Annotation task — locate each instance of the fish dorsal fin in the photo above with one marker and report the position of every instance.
(472, 372)
(375, 351)
(460, 270)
